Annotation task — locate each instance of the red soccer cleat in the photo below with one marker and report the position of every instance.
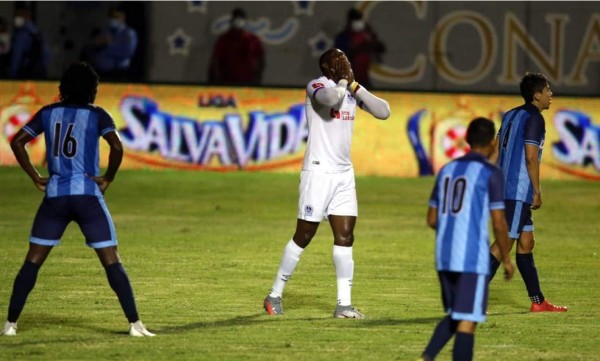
(547, 307)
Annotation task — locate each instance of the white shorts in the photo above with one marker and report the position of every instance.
(324, 194)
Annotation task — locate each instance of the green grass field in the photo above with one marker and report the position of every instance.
(201, 250)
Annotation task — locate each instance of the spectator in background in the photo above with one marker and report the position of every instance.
(238, 55)
(360, 44)
(29, 52)
(111, 50)
(4, 47)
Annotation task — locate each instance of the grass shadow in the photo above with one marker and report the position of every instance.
(262, 318)
(33, 321)
(230, 322)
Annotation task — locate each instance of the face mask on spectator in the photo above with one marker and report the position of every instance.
(115, 23)
(19, 21)
(358, 25)
(238, 23)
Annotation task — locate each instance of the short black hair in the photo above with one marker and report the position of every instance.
(116, 7)
(238, 13)
(481, 132)
(79, 84)
(354, 14)
(532, 83)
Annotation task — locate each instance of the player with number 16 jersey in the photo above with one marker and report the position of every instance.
(74, 189)
(72, 134)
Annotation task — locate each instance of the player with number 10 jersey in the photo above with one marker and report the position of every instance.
(465, 191)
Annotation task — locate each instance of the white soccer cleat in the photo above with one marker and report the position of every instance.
(347, 312)
(10, 329)
(138, 330)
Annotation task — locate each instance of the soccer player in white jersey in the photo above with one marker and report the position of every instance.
(468, 192)
(521, 141)
(74, 190)
(327, 187)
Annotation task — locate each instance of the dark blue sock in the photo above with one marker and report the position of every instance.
(529, 273)
(119, 282)
(24, 283)
(463, 347)
(494, 264)
(442, 334)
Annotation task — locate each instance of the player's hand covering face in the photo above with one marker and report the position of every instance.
(342, 68)
(338, 67)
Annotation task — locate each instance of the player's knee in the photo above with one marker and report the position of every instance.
(302, 239)
(344, 240)
(466, 327)
(531, 244)
(527, 247)
(307, 236)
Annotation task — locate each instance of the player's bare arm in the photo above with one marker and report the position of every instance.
(502, 241)
(533, 169)
(18, 147)
(432, 217)
(114, 160)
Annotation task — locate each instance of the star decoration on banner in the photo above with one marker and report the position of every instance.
(179, 42)
(319, 43)
(303, 7)
(197, 6)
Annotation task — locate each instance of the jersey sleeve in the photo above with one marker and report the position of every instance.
(496, 189)
(534, 130)
(313, 87)
(106, 124)
(35, 126)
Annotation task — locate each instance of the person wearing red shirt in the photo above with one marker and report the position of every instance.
(238, 55)
(360, 44)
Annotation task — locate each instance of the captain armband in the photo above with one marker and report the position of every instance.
(354, 87)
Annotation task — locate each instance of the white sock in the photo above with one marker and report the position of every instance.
(289, 261)
(344, 270)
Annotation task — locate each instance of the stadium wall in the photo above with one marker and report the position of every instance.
(462, 46)
(264, 129)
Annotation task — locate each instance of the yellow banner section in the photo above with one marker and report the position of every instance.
(231, 129)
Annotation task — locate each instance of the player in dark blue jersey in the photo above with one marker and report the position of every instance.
(467, 191)
(74, 189)
(521, 141)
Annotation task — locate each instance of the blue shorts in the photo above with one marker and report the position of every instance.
(89, 212)
(518, 218)
(464, 295)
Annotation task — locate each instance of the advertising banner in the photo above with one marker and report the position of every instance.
(265, 129)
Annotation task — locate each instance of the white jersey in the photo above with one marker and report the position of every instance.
(330, 130)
